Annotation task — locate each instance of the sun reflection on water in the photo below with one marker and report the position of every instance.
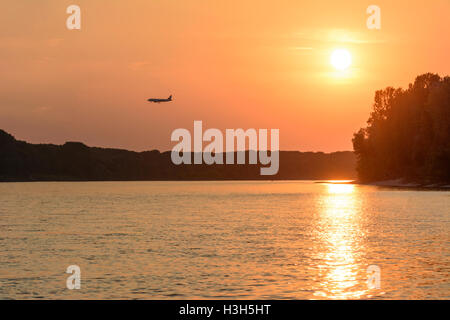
(340, 188)
(339, 245)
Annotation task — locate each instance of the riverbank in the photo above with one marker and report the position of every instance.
(401, 183)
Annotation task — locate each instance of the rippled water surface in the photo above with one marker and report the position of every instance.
(214, 240)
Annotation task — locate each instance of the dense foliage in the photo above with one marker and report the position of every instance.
(21, 161)
(408, 133)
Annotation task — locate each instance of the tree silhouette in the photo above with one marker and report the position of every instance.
(74, 161)
(408, 133)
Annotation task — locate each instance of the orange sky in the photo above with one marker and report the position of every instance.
(231, 64)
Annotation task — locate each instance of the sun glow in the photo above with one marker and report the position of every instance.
(341, 59)
(340, 188)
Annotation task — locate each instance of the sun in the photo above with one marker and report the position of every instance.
(341, 59)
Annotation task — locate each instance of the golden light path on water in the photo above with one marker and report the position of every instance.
(340, 233)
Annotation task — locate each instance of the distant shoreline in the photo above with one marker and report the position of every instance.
(346, 181)
(401, 183)
(394, 183)
(397, 183)
(74, 161)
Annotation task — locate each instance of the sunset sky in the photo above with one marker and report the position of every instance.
(231, 64)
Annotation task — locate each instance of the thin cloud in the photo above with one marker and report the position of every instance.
(336, 36)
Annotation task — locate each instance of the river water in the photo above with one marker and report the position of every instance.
(223, 240)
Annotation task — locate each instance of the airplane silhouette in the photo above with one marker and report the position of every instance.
(160, 100)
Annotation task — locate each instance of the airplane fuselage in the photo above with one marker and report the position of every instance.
(160, 100)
